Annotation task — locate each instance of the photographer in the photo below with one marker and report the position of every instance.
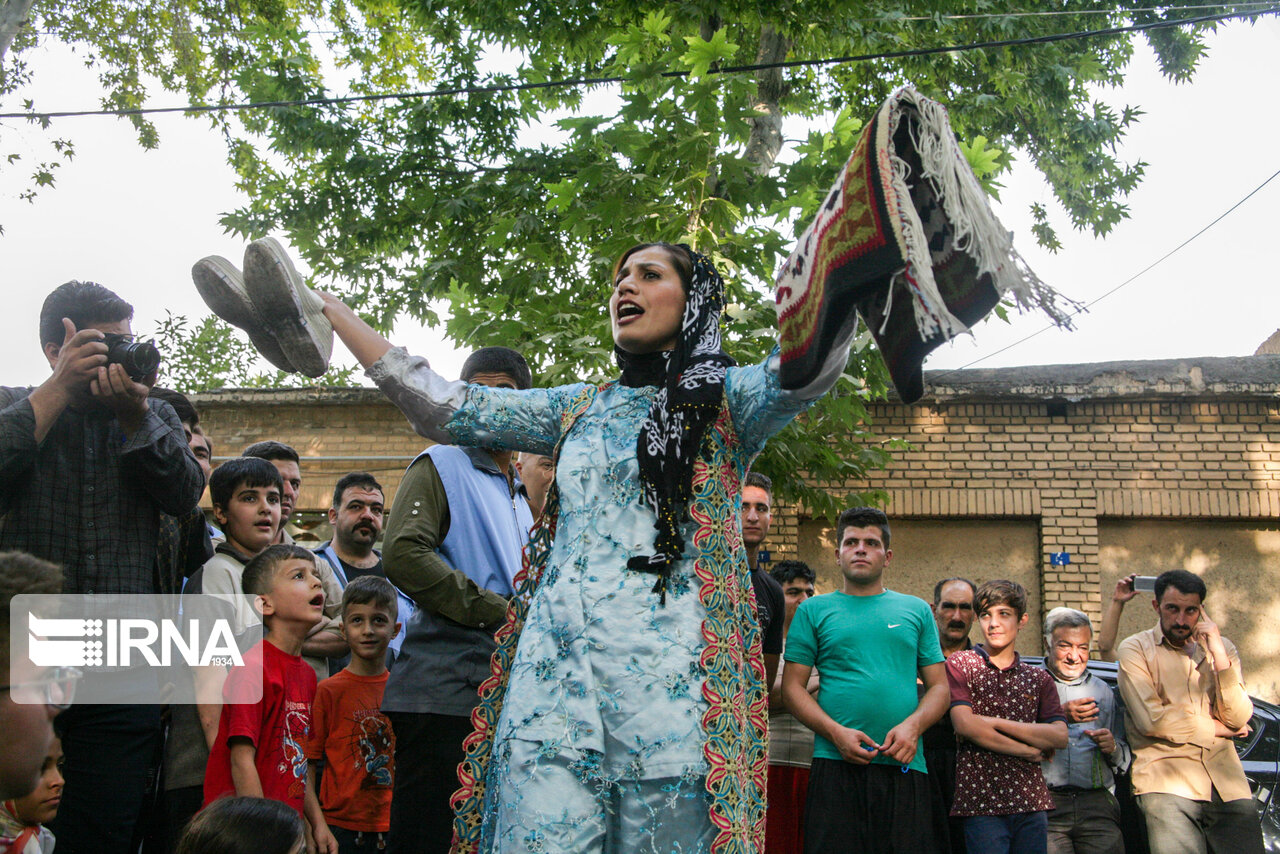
(87, 465)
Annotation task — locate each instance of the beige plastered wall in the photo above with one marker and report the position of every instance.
(1240, 565)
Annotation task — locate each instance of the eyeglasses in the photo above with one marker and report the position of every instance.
(56, 689)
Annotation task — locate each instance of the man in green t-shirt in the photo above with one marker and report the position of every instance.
(868, 779)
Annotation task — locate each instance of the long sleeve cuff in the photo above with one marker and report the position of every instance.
(446, 591)
(1120, 758)
(1232, 677)
(426, 399)
(832, 367)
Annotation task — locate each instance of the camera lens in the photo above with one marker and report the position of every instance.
(138, 358)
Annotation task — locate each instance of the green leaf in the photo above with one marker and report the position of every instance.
(703, 53)
(656, 23)
(985, 161)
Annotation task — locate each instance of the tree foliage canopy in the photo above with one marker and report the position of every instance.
(507, 208)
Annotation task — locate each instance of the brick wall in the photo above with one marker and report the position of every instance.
(1140, 440)
(1208, 454)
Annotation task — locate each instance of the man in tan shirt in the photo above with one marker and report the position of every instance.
(1184, 702)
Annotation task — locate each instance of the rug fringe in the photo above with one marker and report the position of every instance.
(931, 314)
(976, 229)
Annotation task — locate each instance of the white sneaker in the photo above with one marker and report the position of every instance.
(292, 312)
(222, 288)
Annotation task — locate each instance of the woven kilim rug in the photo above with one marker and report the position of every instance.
(907, 240)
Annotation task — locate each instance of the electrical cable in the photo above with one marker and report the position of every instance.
(594, 81)
(1055, 13)
(1100, 298)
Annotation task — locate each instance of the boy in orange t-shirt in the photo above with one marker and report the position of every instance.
(349, 733)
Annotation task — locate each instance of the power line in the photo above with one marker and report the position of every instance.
(881, 20)
(1054, 37)
(1062, 12)
(1100, 298)
(595, 81)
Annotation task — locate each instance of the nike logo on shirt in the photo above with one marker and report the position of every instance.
(894, 625)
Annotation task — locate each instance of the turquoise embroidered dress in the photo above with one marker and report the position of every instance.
(602, 741)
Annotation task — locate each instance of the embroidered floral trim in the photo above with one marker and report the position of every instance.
(736, 720)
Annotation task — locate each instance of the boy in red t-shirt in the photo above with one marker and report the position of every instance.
(259, 748)
(349, 735)
(1008, 717)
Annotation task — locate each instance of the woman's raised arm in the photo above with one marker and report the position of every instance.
(365, 343)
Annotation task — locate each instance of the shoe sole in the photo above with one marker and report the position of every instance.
(222, 288)
(290, 311)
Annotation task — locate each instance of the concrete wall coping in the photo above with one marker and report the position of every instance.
(1205, 376)
(327, 395)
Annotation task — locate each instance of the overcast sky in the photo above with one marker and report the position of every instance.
(136, 221)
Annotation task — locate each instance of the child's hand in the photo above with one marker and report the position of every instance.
(325, 843)
(849, 742)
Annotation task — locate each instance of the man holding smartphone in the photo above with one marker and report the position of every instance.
(1184, 703)
(1126, 588)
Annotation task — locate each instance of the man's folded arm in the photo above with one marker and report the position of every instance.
(1147, 711)
(418, 525)
(1231, 704)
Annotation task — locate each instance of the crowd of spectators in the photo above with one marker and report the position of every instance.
(890, 730)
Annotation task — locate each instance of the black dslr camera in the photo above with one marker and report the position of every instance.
(140, 359)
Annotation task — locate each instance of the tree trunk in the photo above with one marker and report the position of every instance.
(711, 186)
(708, 26)
(13, 14)
(766, 130)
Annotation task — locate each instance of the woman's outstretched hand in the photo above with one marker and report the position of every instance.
(331, 303)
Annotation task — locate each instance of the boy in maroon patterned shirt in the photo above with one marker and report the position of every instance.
(1008, 718)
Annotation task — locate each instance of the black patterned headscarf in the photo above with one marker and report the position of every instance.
(690, 381)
